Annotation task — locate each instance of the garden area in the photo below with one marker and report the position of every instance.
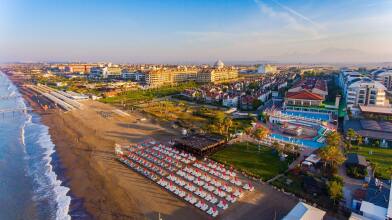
(380, 159)
(261, 162)
(131, 97)
(309, 187)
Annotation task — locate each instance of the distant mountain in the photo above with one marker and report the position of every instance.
(334, 55)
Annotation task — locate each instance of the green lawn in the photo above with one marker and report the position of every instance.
(263, 164)
(149, 94)
(381, 156)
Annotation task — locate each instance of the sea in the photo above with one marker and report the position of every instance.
(30, 187)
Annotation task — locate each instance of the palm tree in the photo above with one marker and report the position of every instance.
(228, 123)
(332, 155)
(359, 139)
(333, 139)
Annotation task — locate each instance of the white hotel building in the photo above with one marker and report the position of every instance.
(384, 76)
(361, 90)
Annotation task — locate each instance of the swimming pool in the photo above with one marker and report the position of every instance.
(309, 115)
(306, 143)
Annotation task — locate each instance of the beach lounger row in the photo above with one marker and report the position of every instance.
(207, 185)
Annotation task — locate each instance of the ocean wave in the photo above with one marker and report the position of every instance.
(48, 187)
(63, 201)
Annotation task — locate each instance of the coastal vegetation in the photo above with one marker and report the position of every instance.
(259, 161)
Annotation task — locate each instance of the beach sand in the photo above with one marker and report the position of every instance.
(85, 142)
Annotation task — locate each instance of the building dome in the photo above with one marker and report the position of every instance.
(219, 64)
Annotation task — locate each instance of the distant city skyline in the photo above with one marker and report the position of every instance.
(193, 31)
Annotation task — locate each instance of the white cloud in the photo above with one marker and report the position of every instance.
(293, 20)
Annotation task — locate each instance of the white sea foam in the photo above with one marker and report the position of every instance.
(63, 201)
(49, 186)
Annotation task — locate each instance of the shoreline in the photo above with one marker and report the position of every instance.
(76, 208)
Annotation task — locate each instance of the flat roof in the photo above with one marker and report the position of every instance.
(305, 211)
(313, 158)
(200, 142)
(376, 109)
(371, 128)
(374, 210)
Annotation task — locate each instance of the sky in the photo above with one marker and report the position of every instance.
(194, 31)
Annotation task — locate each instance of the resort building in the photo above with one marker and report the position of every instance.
(303, 98)
(313, 85)
(346, 76)
(383, 76)
(364, 91)
(156, 78)
(216, 75)
(105, 72)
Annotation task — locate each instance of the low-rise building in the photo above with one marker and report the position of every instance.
(374, 202)
(313, 85)
(303, 98)
(372, 130)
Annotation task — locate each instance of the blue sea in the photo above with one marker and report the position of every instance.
(29, 185)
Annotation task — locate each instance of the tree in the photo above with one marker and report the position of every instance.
(359, 139)
(335, 191)
(228, 123)
(288, 147)
(276, 145)
(351, 134)
(333, 139)
(261, 133)
(248, 130)
(389, 171)
(332, 155)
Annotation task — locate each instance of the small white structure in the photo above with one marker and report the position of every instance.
(372, 211)
(304, 211)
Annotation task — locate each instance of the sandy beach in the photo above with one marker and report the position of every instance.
(85, 142)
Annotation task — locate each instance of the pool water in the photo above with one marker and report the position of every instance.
(309, 115)
(306, 143)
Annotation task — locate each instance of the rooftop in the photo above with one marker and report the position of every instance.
(356, 159)
(305, 95)
(305, 211)
(371, 128)
(376, 109)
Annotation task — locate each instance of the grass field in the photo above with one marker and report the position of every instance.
(131, 97)
(380, 156)
(263, 163)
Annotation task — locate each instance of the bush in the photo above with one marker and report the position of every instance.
(337, 178)
(356, 172)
